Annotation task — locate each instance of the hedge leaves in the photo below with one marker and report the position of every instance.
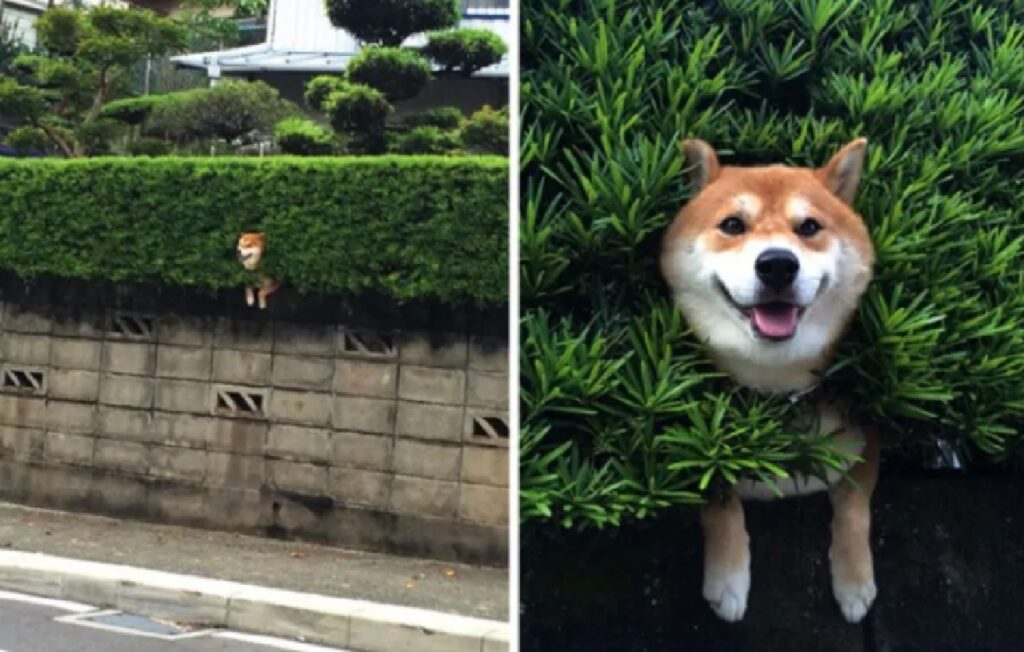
(407, 227)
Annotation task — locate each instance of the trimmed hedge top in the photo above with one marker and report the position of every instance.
(408, 227)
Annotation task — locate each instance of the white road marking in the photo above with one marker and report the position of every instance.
(63, 605)
(280, 644)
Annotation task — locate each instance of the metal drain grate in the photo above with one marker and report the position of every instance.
(135, 625)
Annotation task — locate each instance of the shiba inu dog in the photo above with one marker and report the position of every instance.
(250, 252)
(767, 265)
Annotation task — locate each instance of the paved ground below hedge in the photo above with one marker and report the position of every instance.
(949, 563)
(454, 588)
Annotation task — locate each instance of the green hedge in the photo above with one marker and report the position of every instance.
(407, 227)
(622, 412)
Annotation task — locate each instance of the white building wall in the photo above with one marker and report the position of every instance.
(23, 23)
(22, 15)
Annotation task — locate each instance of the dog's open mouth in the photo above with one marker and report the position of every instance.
(775, 321)
(772, 320)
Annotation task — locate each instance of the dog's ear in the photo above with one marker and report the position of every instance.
(842, 174)
(703, 162)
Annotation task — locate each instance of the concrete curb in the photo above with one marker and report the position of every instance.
(357, 625)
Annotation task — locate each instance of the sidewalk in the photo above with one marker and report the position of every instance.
(440, 586)
(352, 600)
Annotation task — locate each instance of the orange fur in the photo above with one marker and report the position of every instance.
(251, 246)
(711, 269)
(773, 186)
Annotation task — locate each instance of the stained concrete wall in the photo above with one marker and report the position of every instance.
(311, 421)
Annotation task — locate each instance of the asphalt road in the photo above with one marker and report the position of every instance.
(29, 627)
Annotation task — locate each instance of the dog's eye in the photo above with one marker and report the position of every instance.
(808, 228)
(732, 225)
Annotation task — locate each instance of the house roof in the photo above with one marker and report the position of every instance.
(301, 38)
(31, 5)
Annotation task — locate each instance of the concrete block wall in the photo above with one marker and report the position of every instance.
(381, 438)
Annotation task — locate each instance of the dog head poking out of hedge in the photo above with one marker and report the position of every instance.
(622, 412)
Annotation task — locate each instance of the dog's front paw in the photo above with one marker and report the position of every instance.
(727, 594)
(855, 598)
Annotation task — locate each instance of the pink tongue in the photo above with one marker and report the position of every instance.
(777, 320)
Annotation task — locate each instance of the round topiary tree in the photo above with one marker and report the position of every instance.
(362, 112)
(443, 117)
(304, 137)
(390, 22)
(397, 72)
(97, 138)
(226, 111)
(465, 50)
(86, 57)
(318, 88)
(486, 131)
(131, 110)
(427, 140)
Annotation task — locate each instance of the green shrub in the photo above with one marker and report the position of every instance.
(465, 50)
(398, 73)
(402, 226)
(427, 140)
(304, 137)
(622, 413)
(227, 111)
(444, 117)
(361, 112)
(60, 30)
(149, 147)
(16, 99)
(318, 88)
(97, 137)
(389, 22)
(487, 131)
(131, 110)
(27, 140)
(174, 117)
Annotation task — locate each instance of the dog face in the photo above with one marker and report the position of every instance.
(768, 263)
(250, 250)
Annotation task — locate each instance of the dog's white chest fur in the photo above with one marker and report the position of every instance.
(849, 439)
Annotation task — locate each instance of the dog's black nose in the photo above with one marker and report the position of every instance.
(777, 268)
